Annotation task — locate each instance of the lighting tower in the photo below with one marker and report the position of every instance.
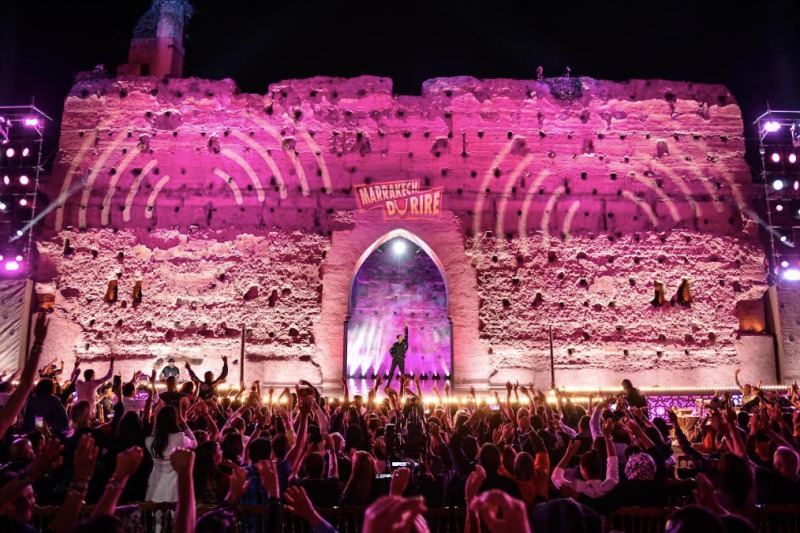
(21, 144)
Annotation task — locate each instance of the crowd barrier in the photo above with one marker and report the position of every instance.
(157, 518)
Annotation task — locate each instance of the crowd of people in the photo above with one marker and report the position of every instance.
(517, 463)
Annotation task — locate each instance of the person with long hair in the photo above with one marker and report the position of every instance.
(207, 477)
(44, 405)
(170, 432)
(736, 482)
(360, 487)
(130, 432)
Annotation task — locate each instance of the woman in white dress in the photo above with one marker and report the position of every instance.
(170, 432)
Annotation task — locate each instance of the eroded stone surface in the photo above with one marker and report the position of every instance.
(581, 194)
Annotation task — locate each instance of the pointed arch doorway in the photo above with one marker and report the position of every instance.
(398, 280)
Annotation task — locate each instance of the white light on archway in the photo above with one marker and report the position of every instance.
(399, 247)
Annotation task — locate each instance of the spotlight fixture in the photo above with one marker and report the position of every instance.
(35, 122)
(23, 202)
(12, 266)
(24, 180)
(6, 180)
(792, 158)
(775, 157)
(783, 238)
(3, 206)
(26, 152)
(399, 247)
(19, 258)
(785, 264)
(777, 184)
(10, 152)
(779, 208)
(791, 274)
(796, 185)
(19, 233)
(771, 126)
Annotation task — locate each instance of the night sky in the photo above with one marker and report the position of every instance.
(755, 50)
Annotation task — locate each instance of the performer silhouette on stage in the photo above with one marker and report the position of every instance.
(398, 353)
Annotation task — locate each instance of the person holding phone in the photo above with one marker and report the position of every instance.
(398, 353)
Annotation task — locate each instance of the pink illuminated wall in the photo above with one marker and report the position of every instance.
(238, 209)
(398, 284)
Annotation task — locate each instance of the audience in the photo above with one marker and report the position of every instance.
(396, 457)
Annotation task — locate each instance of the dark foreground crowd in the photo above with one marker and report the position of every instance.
(516, 464)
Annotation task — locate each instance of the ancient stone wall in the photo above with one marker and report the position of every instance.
(563, 201)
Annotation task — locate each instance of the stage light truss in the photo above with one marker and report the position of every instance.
(779, 151)
(21, 160)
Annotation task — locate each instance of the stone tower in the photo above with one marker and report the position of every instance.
(157, 44)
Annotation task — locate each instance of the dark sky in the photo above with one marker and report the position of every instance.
(754, 49)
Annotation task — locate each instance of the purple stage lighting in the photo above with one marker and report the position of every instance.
(791, 274)
(35, 122)
(26, 152)
(24, 180)
(785, 264)
(6, 180)
(776, 157)
(12, 266)
(779, 208)
(793, 158)
(19, 258)
(23, 202)
(10, 152)
(771, 126)
(777, 185)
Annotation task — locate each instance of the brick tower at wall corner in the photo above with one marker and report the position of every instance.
(157, 45)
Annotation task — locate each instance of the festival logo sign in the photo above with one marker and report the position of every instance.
(400, 200)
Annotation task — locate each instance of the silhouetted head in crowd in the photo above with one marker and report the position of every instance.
(45, 387)
(315, 465)
(490, 458)
(166, 424)
(280, 446)
(88, 374)
(81, 415)
(259, 450)
(233, 447)
(523, 466)
(591, 465)
(18, 509)
(21, 450)
(171, 383)
(358, 490)
(785, 462)
(219, 521)
(736, 479)
(694, 519)
(128, 389)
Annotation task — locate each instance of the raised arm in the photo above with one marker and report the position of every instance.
(294, 453)
(736, 379)
(224, 373)
(558, 477)
(127, 463)
(182, 461)
(9, 413)
(109, 374)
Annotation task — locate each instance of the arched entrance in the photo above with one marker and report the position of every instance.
(398, 280)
